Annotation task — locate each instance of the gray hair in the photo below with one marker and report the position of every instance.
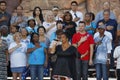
(4, 26)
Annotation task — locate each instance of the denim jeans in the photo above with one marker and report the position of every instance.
(83, 69)
(101, 71)
(118, 74)
(36, 71)
(84, 65)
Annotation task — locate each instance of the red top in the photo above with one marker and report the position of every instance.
(85, 46)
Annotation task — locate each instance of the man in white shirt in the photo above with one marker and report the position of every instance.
(77, 15)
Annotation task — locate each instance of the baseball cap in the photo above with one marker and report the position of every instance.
(102, 27)
(55, 8)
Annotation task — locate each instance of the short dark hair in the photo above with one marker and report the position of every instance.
(82, 22)
(3, 2)
(59, 31)
(106, 11)
(88, 14)
(32, 20)
(41, 27)
(31, 39)
(74, 2)
(59, 21)
(67, 35)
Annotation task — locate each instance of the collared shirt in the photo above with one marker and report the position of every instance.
(100, 16)
(15, 19)
(77, 14)
(7, 22)
(111, 22)
(108, 34)
(103, 49)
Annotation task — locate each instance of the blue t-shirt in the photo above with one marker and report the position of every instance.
(37, 57)
(92, 25)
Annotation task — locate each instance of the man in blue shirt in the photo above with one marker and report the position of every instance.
(111, 24)
(4, 16)
(99, 15)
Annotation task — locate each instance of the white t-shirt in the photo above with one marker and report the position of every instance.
(18, 57)
(78, 14)
(47, 25)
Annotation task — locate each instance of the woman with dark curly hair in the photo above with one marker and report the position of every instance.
(69, 25)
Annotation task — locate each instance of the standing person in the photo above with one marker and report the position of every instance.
(100, 16)
(19, 19)
(24, 35)
(17, 51)
(37, 14)
(37, 58)
(3, 61)
(117, 56)
(59, 25)
(8, 38)
(77, 15)
(55, 11)
(49, 23)
(57, 40)
(4, 34)
(111, 26)
(84, 43)
(44, 39)
(32, 27)
(4, 16)
(64, 68)
(42, 36)
(90, 26)
(102, 54)
(68, 25)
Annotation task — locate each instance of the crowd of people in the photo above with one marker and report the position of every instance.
(68, 41)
